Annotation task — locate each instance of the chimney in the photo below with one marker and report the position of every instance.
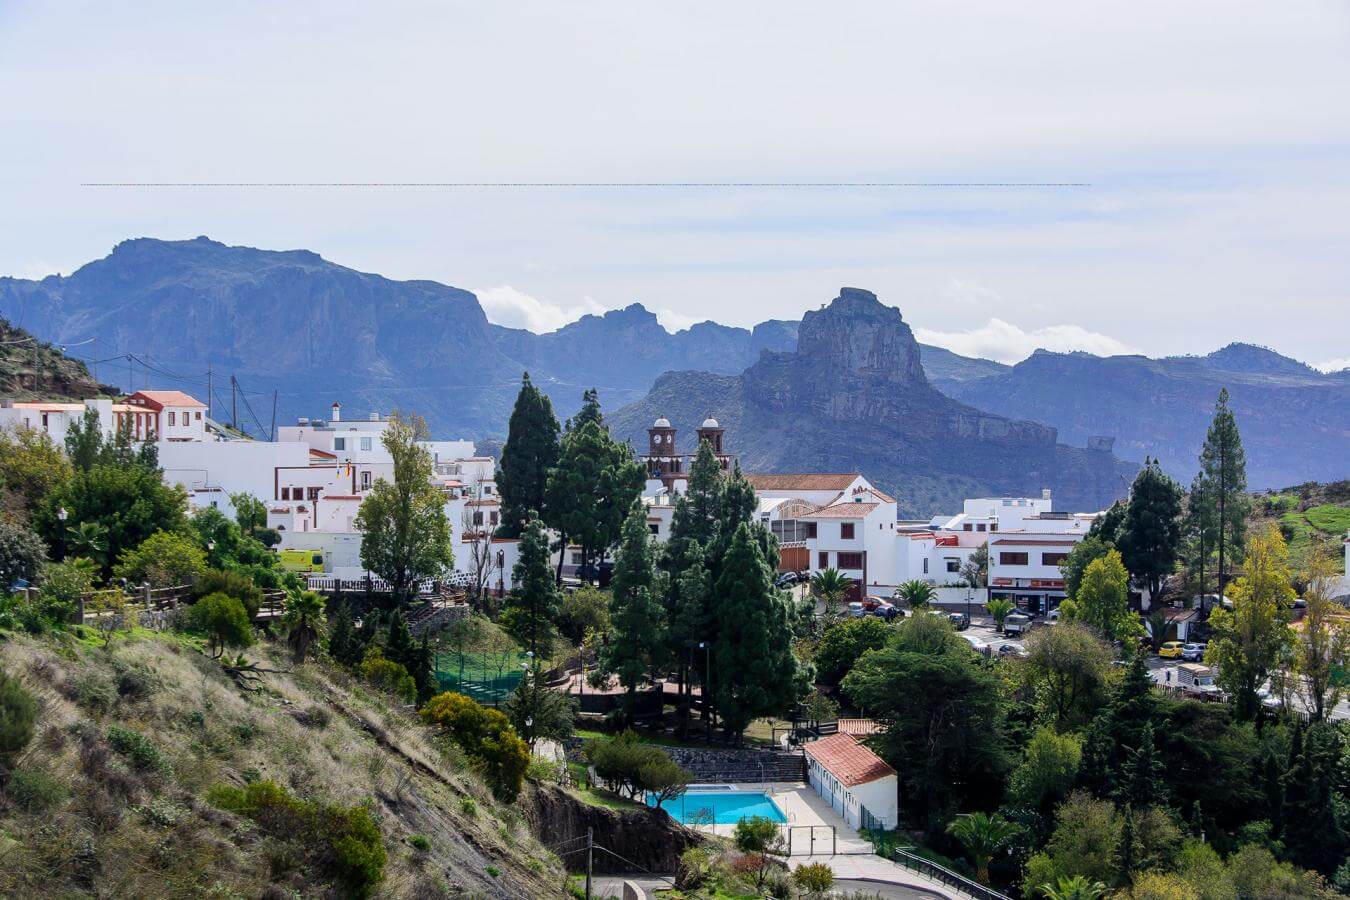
(337, 413)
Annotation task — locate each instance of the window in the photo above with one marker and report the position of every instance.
(478, 517)
(365, 443)
(313, 493)
(979, 527)
(823, 560)
(285, 493)
(654, 528)
(494, 518)
(993, 526)
(1007, 558)
(953, 565)
(925, 565)
(846, 531)
(1053, 559)
(199, 416)
(576, 558)
(850, 560)
(339, 443)
(810, 530)
(967, 527)
(365, 481)
(171, 418)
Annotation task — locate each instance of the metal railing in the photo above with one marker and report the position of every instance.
(944, 875)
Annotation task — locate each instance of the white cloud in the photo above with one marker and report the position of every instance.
(1333, 365)
(505, 305)
(1008, 343)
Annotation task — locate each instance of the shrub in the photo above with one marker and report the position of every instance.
(21, 554)
(223, 620)
(18, 717)
(34, 791)
(134, 682)
(315, 717)
(469, 807)
(486, 737)
(694, 870)
(95, 692)
(164, 559)
(231, 584)
(388, 676)
(816, 878)
(344, 839)
(420, 842)
(137, 748)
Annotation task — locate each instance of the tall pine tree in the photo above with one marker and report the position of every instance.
(756, 672)
(1149, 536)
(1223, 470)
(591, 489)
(531, 449)
(530, 613)
(637, 637)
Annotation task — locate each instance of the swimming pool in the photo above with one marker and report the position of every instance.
(721, 807)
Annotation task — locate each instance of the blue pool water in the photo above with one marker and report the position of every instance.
(723, 807)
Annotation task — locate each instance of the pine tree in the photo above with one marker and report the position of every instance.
(589, 412)
(344, 644)
(1223, 469)
(1149, 536)
(591, 489)
(531, 449)
(756, 670)
(531, 610)
(1201, 536)
(637, 634)
(1313, 832)
(1141, 778)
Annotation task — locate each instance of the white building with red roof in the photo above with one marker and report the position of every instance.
(859, 785)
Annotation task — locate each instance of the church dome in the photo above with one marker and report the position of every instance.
(662, 422)
(710, 422)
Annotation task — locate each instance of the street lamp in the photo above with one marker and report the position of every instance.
(706, 646)
(62, 514)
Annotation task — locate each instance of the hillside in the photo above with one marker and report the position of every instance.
(111, 797)
(1307, 515)
(1293, 418)
(854, 397)
(31, 369)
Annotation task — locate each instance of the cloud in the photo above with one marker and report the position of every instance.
(1008, 343)
(505, 305)
(1333, 365)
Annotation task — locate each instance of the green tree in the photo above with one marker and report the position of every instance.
(1083, 554)
(753, 651)
(304, 623)
(759, 837)
(975, 570)
(250, 514)
(18, 720)
(21, 555)
(88, 540)
(1048, 770)
(84, 441)
(585, 612)
(417, 659)
(590, 410)
(1079, 887)
(531, 610)
(1150, 535)
(1102, 599)
(233, 584)
(1315, 828)
(942, 713)
(31, 467)
(130, 502)
(1249, 641)
(591, 490)
(223, 620)
(344, 642)
(637, 636)
(486, 737)
(830, 587)
(164, 559)
(1141, 778)
(999, 609)
(918, 594)
(1322, 644)
(1106, 527)
(1200, 531)
(230, 549)
(982, 835)
(387, 676)
(530, 451)
(1067, 667)
(844, 643)
(537, 712)
(405, 535)
(1223, 473)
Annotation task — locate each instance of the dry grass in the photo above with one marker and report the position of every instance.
(115, 829)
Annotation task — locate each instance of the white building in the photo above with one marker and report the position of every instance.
(1024, 567)
(857, 783)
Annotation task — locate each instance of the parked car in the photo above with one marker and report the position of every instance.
(960, 620)
(1193, 652)
(1171, 650)
(886, 611)
(788, 579)
(1017, 623)
(1006, 650)
(856, 610)
(978, 644)
(871, 602)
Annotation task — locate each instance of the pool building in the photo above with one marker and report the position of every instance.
(857, 783)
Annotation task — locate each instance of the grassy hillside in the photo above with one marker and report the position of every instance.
(124, 789)
(1308, 515)
(31, 369)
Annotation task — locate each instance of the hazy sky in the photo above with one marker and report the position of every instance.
(1215, 137)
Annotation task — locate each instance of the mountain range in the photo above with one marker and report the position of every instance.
(315, 331)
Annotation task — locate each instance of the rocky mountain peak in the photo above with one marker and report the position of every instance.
(857, 335)
(1254, 359)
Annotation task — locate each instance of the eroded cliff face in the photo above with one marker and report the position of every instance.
(853, 397)
(651, 839)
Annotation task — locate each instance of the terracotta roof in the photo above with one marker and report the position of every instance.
(848, 510)
(483, 503)
(324, 453)
(859, 727)
(1032, 543)
(812, 481)
(170, 398)
(846, 759)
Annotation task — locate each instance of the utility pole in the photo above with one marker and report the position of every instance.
(590, 847)
(234, 403)
(208, 390)
(274, 417)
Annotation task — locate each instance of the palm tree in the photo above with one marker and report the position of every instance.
(88, 539)
(304, 622)
(1076, 888)
(831, 587)
(918, 594)
(1000, 610)
(983, 835)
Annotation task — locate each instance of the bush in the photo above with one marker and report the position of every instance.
(18, 717)
(816, 878)
(138, 748)
(223, 620)
(164, 559)
(486, 737)
(34, 791)
(344, 839)
(94, 692)
(231, 584)
(134, 682)
(388, 676)
(21, 554)
(420, 842)
(626, 765)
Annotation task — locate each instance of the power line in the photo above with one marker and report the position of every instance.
(717, 185)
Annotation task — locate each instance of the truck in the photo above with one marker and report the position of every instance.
(1016, 623)
(1197, 681)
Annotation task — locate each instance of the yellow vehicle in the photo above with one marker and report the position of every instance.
(300, 560)
(1171, 650)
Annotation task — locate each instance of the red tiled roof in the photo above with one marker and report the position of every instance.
(170, 398)
(846, 759)
(848, 510)
(859, 727)
(1020, 543)
(811, 481)
(324, 453)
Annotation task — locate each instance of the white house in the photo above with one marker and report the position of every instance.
(857, 783)
(1024, 567)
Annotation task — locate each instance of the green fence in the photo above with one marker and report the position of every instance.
(488, 678)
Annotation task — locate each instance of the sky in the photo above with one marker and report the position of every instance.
(1208, 144)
